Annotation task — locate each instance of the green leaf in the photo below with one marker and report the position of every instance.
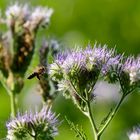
(78, 131)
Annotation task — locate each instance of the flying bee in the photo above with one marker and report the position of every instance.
(37, 73)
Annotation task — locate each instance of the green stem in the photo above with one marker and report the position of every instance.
(79, 95)
(35, 138)
(111, 116)
(90, 116)
(13, 104)
(12, 99)
(5, 87)
(96, 137)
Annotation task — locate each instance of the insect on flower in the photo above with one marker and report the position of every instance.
(41, 70)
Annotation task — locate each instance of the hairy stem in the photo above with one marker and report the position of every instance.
(12, 99)
(74, 89)
(111, 116)
(13, 104)
(90, 116)
(3, 82)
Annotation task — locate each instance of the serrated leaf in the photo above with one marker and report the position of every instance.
(79, 131)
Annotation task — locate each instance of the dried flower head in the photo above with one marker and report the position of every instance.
(41, 125)
(5, 55)
(23, 23)
(48, 51)
(43, 53)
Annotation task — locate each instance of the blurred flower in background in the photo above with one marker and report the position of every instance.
(41, 125)
(134, 134)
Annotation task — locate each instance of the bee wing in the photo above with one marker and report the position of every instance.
(31, 76)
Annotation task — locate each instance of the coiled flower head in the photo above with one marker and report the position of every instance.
(132, 67)
(130, 74)
(19, 16)
(77, 71)
(16, 14)
(41, 125)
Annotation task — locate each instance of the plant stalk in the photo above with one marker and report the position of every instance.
(111, 116)
(90, 116)
(12, 99)
(13, 104)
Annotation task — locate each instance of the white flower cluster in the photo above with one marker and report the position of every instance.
(29, 18)
(135, 134)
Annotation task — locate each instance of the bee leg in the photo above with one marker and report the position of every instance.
(38, 77)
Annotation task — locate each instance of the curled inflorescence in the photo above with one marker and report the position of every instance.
(77, 71)
(41, 125)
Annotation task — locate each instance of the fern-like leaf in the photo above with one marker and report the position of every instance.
(78, 131)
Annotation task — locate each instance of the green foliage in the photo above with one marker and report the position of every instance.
(78, 131)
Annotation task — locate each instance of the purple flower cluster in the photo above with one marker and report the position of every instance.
(86, 58)
(81, 61)
(132, 67)
(83, 67)
(42, 125)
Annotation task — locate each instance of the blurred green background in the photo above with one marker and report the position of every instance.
(79, 22)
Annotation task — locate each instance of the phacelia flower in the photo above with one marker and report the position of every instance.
(78, 70)
(75, 60)
(40, 17)
(78, 61)
(16, 12)
(135, 134)
(102, 54)
(132, 67)
(20, 15)
(41, 125)
(113, 68)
